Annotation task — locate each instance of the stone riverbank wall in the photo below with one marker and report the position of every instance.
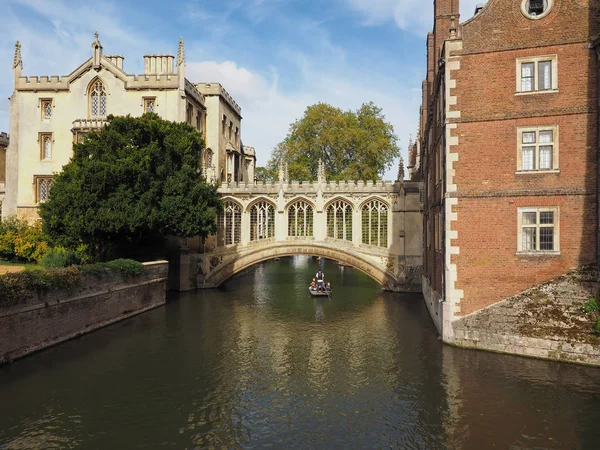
(547, 322)
(46, 319)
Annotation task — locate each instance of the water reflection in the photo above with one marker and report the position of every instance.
(261, 362)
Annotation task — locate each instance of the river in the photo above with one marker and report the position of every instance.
(260, 363)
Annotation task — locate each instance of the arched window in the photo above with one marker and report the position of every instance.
(209, 158)
(230, 223)
(339, 220)
(300, 219)
(375, 223)
(98, 99)
(262, 221)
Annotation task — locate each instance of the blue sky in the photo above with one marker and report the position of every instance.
(276, 57)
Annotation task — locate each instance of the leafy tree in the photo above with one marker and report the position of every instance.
(131, 184)
(263, 174)
(354, 145)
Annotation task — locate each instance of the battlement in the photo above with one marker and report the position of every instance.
(89, 124)
(208, 89)
(4, 139)
(330, 187)
(35, 83)
(249, 151)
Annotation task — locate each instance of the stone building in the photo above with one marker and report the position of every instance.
(49, 114)
(3, 145)
(508, 150)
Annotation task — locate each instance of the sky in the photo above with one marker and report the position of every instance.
(275, 57)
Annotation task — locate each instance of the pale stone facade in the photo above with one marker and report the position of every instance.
(49, 114)
(3, 145)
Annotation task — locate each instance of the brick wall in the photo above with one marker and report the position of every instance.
(488, 188)
(47, 319)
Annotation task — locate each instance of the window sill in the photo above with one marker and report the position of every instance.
(545, 91)
(553, 253)
(534, 172)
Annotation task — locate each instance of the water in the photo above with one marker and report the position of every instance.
(261, 363)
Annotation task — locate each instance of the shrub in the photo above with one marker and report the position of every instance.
(127, 267)
(596, 329)
(15, 287)
(10, 228)
(82, 254)
(30, 243)
(57, 257)
(591, 306)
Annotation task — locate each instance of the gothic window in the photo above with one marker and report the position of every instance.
(339, 220)
(98, 99)
(46, 147)
(150, 104)
(375, 223)
(189, 113)
(230, 223)
(43, 185)
(300, 219)
(209, 158)
(262, 221)
(47, 109)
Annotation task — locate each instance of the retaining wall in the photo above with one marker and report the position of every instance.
(46, 319)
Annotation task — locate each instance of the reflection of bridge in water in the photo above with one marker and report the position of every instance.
(375, 227)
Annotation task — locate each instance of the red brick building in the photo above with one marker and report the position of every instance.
(508, 150)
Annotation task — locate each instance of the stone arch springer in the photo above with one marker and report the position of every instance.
(222, 269)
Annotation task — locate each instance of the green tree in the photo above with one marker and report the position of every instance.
(263, 174)
(130, 185)
(354, 145)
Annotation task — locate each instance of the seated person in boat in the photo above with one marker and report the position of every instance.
(328, 286)
(313, 285)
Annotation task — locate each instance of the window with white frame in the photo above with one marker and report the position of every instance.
(229, 223)
(339, 220)
(537, 74)
(262, 221)
(300, 219)
(538, 230)
(537, 148)
(375, 223)
(46, 146)
(536, 9)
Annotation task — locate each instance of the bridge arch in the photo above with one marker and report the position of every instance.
(233, 266)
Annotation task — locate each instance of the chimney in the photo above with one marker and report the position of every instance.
(446, 19)
(116, 60)
(158, 64)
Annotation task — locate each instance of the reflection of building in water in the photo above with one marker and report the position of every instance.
(280, 351)
(318, 361)
(317, 351)
(302, 261)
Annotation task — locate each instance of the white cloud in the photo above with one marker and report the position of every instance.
(411, 15)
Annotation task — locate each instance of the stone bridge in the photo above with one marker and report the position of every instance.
(375, 227)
